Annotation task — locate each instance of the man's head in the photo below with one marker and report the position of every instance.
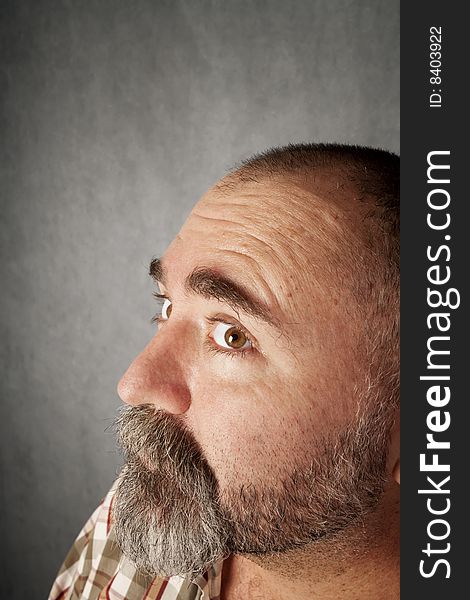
(262, 409)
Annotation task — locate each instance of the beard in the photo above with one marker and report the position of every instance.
(171, 518)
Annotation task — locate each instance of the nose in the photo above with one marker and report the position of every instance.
(156, 376)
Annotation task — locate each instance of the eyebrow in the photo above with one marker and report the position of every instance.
(209, 284)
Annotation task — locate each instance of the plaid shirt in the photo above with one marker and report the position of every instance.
(96, 569)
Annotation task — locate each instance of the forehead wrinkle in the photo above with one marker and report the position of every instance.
(290, 247)
(240, 231)
(285, 205)
(267, 232)
(265, 240)
(270, 259)
(262, 242)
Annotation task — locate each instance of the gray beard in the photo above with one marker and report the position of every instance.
(171, 518)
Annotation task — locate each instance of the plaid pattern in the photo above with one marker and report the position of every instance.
(96, 569)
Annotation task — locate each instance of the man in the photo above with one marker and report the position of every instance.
(261, 437)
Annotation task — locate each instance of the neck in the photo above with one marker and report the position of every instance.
(361, 562)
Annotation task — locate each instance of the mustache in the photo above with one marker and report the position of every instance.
(162, 443)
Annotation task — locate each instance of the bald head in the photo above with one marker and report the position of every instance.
(373, 172)
(363, 181)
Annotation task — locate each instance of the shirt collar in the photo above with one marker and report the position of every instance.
(210, 583)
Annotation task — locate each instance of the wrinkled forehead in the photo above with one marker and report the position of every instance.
(305, 225)
(284, 239)
(286, 216)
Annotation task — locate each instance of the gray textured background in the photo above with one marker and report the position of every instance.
(115, 118)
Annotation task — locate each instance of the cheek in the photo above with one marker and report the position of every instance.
(255, 427)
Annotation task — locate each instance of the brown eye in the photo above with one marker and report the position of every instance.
(230, 337)
(235, 338)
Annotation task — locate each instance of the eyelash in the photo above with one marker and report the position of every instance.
(217, 350)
